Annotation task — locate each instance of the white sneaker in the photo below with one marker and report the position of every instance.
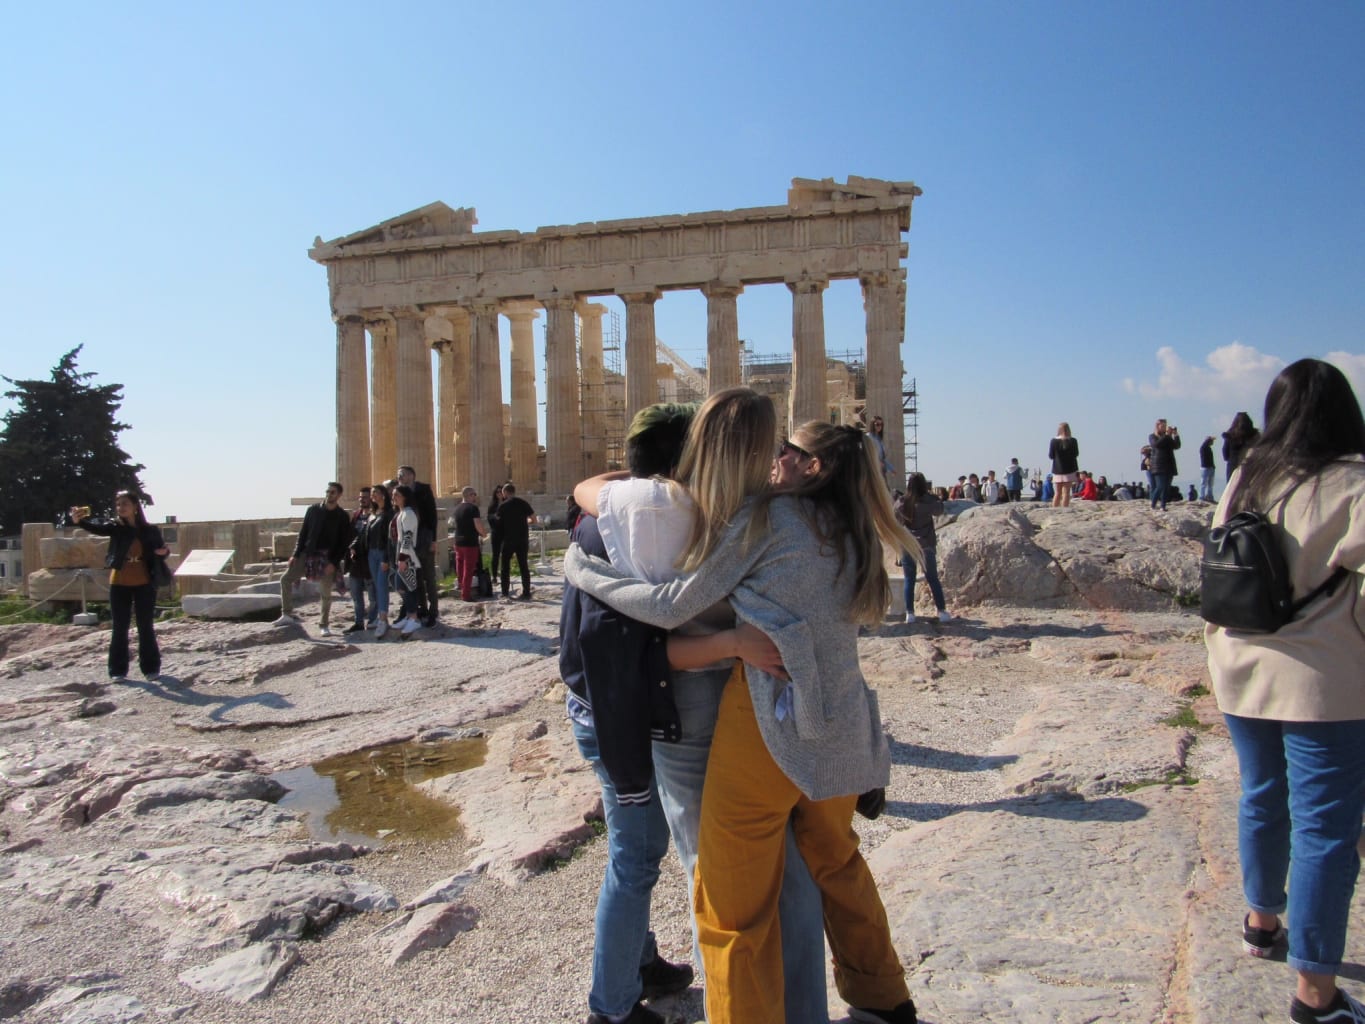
(410, 626)
(325, 631)
(944, 617)
(909, 618)
(284, 620)
(381, 627)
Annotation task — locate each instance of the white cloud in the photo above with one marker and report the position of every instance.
(1230, 373)
(1353, 365)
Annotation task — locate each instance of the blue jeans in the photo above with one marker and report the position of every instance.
(1206, 483)
(359, 588)
(1303, 790)
(930, 574)
(679, 773)
(1161, 485)
(381, 585)
(637, 839)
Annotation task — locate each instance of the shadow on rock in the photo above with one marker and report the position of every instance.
(948, 760)
(1060, 807)
(191, 698)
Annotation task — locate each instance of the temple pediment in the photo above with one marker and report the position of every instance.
(435, 220)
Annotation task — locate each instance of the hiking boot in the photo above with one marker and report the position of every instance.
(660, 978)
(902, 1014)
(1263, 942)
(1342, 1010)
(639, 1014)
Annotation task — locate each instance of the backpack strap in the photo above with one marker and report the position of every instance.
(1327, 586)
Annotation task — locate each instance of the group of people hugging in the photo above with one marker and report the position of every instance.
(710, 646)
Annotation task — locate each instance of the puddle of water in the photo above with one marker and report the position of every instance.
(368, 796)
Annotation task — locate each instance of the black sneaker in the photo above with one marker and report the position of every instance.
(902, 1014)
(639, 1014)
(1264, 943)
(1343, 1010)
(354, 627)
(661, 978)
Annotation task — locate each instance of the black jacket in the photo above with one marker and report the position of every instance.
(1065, 453)
(424, 504)
(1163, 453)
(619, 668)
(324, 533)
(121, 537)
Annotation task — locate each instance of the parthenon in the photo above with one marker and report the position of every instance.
(426, 280)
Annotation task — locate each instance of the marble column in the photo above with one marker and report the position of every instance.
(383, 400)
(593, 392)
(455, 426)
(641, 350)
(808, 352)
(415, 434)
(487, 456)
(563, 427)
(722, 335)
(353, 406)
(445, 416)
(522, 316)
(882, 304)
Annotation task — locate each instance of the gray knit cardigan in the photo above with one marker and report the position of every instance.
(831, 744)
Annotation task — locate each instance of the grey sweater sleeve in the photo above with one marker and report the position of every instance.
(666, 605)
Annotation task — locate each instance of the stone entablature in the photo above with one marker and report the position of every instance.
(431, 263)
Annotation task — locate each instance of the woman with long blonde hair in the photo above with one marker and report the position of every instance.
(802, 562)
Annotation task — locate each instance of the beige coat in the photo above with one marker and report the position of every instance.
(1313, 669)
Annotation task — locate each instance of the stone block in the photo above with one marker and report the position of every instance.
(246, 543)
(33, 533)
(82, 551)
(282, 544)
(229, 606)
(65, 585)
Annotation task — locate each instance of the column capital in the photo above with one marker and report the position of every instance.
(376, 320)
(881, 278)
(639, 295)
(558, 300)
(347, 318)
(722, 289)
(521, 309)
(482, 306)
(584, 308)
(807, 285)
(406, 313)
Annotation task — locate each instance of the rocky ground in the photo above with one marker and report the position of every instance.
(1058, 845)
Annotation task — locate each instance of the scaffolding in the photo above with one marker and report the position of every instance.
(605, 404)
(910, 421)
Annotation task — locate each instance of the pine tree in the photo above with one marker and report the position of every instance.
(59, 448)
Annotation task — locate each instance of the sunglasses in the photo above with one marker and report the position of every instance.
(788, 446)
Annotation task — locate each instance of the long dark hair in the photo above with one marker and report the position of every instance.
(137, 498)
(379, 490)
(1242, 429)
(1312, 418)
(916, 487)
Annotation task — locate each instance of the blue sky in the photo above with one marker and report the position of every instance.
(1129, 211)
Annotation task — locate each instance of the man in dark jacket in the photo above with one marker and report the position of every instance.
(1206, 469)
(515, 515)
(1161, 462)
(317, 555)
(424, 504)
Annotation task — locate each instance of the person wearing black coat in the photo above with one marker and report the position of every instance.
(424, 504)
(494, 530)
(1162, 461)
(135, 548)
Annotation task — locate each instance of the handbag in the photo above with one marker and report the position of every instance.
(162, 577)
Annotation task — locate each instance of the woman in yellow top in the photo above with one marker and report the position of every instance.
(134, 544)
(1294, 700)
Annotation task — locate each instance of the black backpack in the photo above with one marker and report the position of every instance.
(1244, 579)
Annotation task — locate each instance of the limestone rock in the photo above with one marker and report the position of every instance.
(82, 550)
(432, 927)
(66, 584)
(1101, 555)
(107, 1008)
(231, 606)
(246, 974)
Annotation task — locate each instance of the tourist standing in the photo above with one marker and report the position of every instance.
(317, 556)
(495, 534)
(1014, 480)
(1065, 453)
(378, 553)
(1163, 441)
(1239, 436)
(135, 549)
(916, 513)
(517, 515)
(407, 559)
(1206, 469)
(1293, 699)
(424, 504)
(469, 528)
(357, 566)
(878, 434)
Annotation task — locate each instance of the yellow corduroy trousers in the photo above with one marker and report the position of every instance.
(746, 804)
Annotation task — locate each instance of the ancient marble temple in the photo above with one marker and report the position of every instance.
(427, 280)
